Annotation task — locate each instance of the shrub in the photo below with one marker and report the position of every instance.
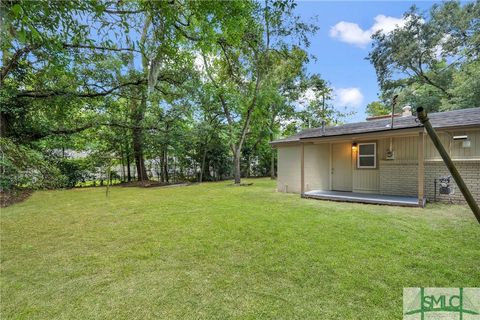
(25, 167)
(74, 170)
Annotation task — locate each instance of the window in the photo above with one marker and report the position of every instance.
(367, 155)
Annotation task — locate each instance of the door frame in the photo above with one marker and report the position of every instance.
(350, 189)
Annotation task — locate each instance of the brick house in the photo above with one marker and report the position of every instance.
(382, 160)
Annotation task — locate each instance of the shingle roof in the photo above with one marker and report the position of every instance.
(456, 118)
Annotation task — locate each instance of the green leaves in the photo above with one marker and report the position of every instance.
(79, 74)
(17, 10)
(421, 59)
(377, 108)
(22, 35)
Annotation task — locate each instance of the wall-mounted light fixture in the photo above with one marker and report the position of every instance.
(354, 146)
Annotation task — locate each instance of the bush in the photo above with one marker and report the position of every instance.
(25, 167)
(74, 170)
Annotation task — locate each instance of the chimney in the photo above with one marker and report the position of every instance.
(406, 111)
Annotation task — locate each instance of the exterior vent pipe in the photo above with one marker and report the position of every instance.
(394, 102)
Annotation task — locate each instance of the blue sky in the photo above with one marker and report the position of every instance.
(342, 43)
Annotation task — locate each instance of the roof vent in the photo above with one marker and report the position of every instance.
(406, 111)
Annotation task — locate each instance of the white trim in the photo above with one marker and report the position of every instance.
(374, 156)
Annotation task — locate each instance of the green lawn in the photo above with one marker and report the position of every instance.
(215, 251)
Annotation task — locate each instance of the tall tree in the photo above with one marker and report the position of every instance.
(119, 79)
(281, 90)
(237, 64)
(377, 108)
(421, 59)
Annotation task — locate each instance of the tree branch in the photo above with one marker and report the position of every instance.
(16, 56)
(251, 107)
(221, 42)
(84, 46)
(114, 11)
(226, 111)
(52, 93)
(185, 34)
(33, 136)
(421, 74)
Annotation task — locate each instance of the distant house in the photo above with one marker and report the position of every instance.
(377, 162)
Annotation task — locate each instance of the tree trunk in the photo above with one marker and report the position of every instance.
(236, 165)
(202, 167)
(138, 114)
(138, 152)
(129, 173)
(162, 174)
(272, 160)
(174, 170)
(122, 155)
(127, 160)
(165, 165)
(137, 132)
(3, 124)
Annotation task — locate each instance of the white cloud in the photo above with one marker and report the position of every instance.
(438, 49)
(348, 97)
(352, 33)
(305, 99)
(387, 24)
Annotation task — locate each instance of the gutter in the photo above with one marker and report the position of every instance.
(386, 132)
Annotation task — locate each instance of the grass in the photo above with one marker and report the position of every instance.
(215, 251)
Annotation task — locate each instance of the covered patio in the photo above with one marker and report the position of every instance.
(346, 196)
(331, 168)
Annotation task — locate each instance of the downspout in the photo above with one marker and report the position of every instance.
(422, 116)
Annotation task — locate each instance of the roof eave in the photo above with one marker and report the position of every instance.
(383, 133)
(386, 132)
(275, 144)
